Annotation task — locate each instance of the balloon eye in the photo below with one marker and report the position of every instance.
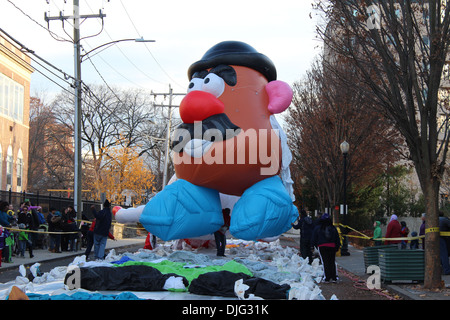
(213, 84)
(195, 84)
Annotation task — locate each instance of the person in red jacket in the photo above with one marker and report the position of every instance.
(394, 230)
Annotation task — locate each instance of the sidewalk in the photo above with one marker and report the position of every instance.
(41, 255)
(355, 264)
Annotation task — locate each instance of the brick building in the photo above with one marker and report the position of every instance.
(15, 77)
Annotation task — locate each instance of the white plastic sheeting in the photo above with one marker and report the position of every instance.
(265, 260)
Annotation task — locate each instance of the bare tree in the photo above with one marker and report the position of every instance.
(326, 112)
(50, 152)
(399, 49)
(109, 117)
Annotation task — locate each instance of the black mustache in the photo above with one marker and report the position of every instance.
(217, 127)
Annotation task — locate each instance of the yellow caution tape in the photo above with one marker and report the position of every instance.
(363, 236)
(429, 230)
(36, 231)
(62, 232)
(115, 223)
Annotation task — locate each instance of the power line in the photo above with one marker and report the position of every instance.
(129, 60)
(35, 68)
(120, 74)
(40, 62)
(151, 54)
(54, 35)
(32, 52)
(107, 85)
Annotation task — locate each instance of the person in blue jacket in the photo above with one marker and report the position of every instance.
(4, 217)
(325, 238)
(101, 230)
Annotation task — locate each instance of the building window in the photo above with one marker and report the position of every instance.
(11, 98)
(3, 108)
(19, 171)
(9, 168)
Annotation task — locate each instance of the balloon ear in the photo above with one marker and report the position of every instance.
(280, 96)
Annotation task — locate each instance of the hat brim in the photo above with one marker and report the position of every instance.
(256, 61)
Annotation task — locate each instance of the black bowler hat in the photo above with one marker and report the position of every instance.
(235, 53)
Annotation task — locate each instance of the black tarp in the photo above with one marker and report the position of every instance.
(221, 283)
(127, 278)
(146, 278)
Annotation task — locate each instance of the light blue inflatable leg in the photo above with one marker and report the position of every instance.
(183, 210)
(264, 210)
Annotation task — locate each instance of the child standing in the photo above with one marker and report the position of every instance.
(404, 231)
(3, 235)
(377, 233)
(24, 242)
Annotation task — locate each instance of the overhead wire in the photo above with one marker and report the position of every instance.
(41, 66)
(52, 34)
(71, 24)
(126, 57)
(104, 81)
(151, 54)
(86, 86)
(64, 76)
(48, 70)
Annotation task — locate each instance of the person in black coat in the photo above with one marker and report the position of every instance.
(101, 230)
(326, 239)
(306, 226)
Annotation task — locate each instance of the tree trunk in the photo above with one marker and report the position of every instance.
(432, 258)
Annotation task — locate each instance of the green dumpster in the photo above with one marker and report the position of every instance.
(371, 254)
(398, 264)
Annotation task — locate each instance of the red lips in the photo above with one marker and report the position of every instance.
(199, 105)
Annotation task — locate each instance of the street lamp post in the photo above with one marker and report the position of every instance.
(108, 44)
(344, 149)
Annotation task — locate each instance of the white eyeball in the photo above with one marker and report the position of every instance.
(195, 84)
(213, 84)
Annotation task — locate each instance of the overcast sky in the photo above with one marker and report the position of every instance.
(183, 30)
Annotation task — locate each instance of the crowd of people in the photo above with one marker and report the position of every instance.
(396, 229)
(28, 228)
(321, 235)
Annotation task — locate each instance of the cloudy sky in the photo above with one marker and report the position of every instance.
(183, 30)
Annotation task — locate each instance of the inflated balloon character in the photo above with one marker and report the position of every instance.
(115, 209)
(229, 143)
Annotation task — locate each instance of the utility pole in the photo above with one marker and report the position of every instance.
(78, 206)
(169, 125)
(169, 128)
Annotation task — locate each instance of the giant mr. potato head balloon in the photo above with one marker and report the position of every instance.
(229, 143)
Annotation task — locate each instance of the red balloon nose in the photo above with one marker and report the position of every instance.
(199, 105)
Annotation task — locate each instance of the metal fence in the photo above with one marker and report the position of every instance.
(46, 201)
